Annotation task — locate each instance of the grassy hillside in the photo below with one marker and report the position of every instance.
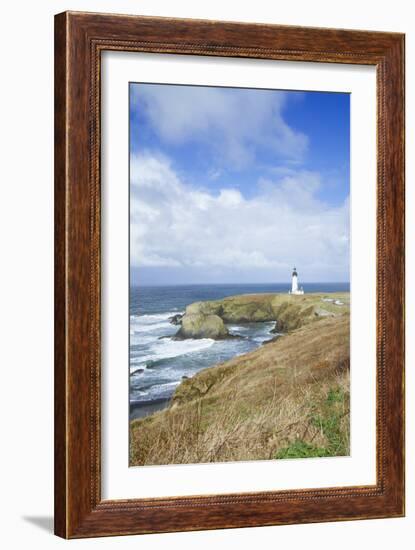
(286, 399)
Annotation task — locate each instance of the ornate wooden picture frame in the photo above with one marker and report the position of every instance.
(80, 38)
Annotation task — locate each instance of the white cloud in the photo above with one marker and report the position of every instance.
(285, 224)
(233, 123)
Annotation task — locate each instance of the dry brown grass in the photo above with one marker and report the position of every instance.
(288, 398)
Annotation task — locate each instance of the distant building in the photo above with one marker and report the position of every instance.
(295, 289)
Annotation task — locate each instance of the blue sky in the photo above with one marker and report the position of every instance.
(237, 185)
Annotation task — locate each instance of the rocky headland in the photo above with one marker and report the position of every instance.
(208, 319)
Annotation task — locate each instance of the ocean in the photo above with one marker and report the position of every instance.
(158, 363)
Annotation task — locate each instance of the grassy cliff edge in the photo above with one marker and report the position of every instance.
(287, 399)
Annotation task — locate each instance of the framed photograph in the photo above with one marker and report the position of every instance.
(229, 275)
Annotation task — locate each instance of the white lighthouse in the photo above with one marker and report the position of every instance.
(294, 284)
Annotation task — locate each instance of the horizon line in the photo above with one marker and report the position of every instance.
(232, 284)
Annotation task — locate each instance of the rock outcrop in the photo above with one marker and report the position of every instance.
(289, 312)
(176, 319)
(198, 325)
(208, 319)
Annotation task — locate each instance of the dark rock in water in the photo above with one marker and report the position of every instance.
(184, 377)
(176, 319)
(137, 371)
(276, 329)
(236, 337)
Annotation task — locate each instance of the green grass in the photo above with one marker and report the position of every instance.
(328, 422)
(301, 449)
(335, 396)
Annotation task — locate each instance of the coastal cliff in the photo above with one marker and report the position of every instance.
(203, 319)
(289, 398)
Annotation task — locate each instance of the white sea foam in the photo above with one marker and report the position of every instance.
(137, 327)
(168, 348)
(153, 317)
(141, 392)
(136, 361)
(150, 323)
(167, 385)
(142, 339)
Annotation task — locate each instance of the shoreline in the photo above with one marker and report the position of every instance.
(141, 410)
(288, 399)
(147, 408)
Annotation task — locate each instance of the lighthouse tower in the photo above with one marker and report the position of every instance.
(294, 284)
